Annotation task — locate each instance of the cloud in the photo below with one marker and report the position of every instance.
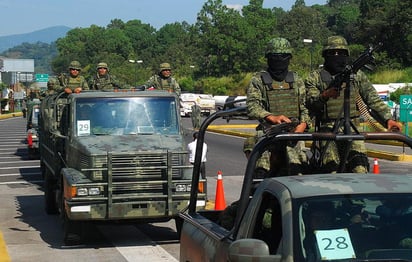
(237, 7)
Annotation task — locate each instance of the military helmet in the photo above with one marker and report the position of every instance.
(278, 46)
(75, 65)
(164, 66)
(102, 65)
(335, 42)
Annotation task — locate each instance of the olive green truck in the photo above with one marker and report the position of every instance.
(113, 156)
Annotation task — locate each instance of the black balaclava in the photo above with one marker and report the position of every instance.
(335, 64)
(278, 65)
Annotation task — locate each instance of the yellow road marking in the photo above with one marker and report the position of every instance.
(4, 255)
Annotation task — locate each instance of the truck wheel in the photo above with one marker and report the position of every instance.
(49, 193)
(72, 230)
(32, 153)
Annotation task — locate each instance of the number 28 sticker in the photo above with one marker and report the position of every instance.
(334, 244)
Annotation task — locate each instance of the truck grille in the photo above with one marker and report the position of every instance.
(137, 175)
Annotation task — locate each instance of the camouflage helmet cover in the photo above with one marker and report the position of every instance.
(278, 46)
(102, 65)
(336, 42)
(164, 66)
(75, 65)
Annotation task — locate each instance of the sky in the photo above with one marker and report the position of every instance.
(25, 16)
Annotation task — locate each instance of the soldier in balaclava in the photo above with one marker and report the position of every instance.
(326, 104)
(276, 96)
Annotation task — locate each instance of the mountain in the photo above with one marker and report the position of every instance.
(46, 35)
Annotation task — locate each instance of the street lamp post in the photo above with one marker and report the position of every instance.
(135, 62)
(309, 41)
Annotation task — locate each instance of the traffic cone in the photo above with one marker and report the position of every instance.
(375, 166)
(220, 203)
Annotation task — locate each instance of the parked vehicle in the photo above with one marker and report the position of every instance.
(205, 101)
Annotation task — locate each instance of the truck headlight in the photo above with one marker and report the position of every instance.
(183, 187)
(94, 191)
(84, 191)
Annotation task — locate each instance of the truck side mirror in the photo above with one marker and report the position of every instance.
(249, 249)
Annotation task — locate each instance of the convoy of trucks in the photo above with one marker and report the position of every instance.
(113, 156)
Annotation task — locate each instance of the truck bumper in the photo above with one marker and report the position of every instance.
(145, 211)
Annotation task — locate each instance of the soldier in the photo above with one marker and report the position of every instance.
(163, 80)
(74, 82)
(52, 86)
(275, 96)
(196, 116)
(326, 104)
(102, 80)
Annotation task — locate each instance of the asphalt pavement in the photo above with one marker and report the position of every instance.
(380, 149)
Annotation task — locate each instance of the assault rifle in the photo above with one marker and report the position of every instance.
(363, 60)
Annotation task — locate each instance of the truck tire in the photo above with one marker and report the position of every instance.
(49, 193)
(32, 153)
(72, 230)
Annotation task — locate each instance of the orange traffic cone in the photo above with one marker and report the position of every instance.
(375, 166)
(220, 203)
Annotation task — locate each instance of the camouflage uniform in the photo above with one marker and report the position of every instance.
(196, 116)
(286, 97)
(103, 82)
(52, 87)
(72, 82)
(327, 110)
(159, 81)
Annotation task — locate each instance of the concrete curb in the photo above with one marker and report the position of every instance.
(10, 115)
(371, 153)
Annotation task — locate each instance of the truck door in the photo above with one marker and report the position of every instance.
(268, 224)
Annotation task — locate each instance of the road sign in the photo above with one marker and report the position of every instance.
(42, 77)
(405, 106)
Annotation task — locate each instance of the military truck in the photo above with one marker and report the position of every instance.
(113, 156)
(366, 217)
(32, 128)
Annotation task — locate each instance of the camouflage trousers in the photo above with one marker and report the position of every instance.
(284, 160)
(196, 120)
(333, 152)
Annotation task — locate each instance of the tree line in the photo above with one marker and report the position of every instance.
(220, 51)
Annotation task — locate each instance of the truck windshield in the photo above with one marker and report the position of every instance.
(126, 116)
(355, 226)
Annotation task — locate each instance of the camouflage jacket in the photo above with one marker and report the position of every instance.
(257, 99)
(66, 81)
(168, 84)
(107, 82)
(316, 104)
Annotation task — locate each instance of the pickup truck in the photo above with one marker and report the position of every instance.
(316, 217)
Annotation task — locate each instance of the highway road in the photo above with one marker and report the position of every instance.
(27, 233)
